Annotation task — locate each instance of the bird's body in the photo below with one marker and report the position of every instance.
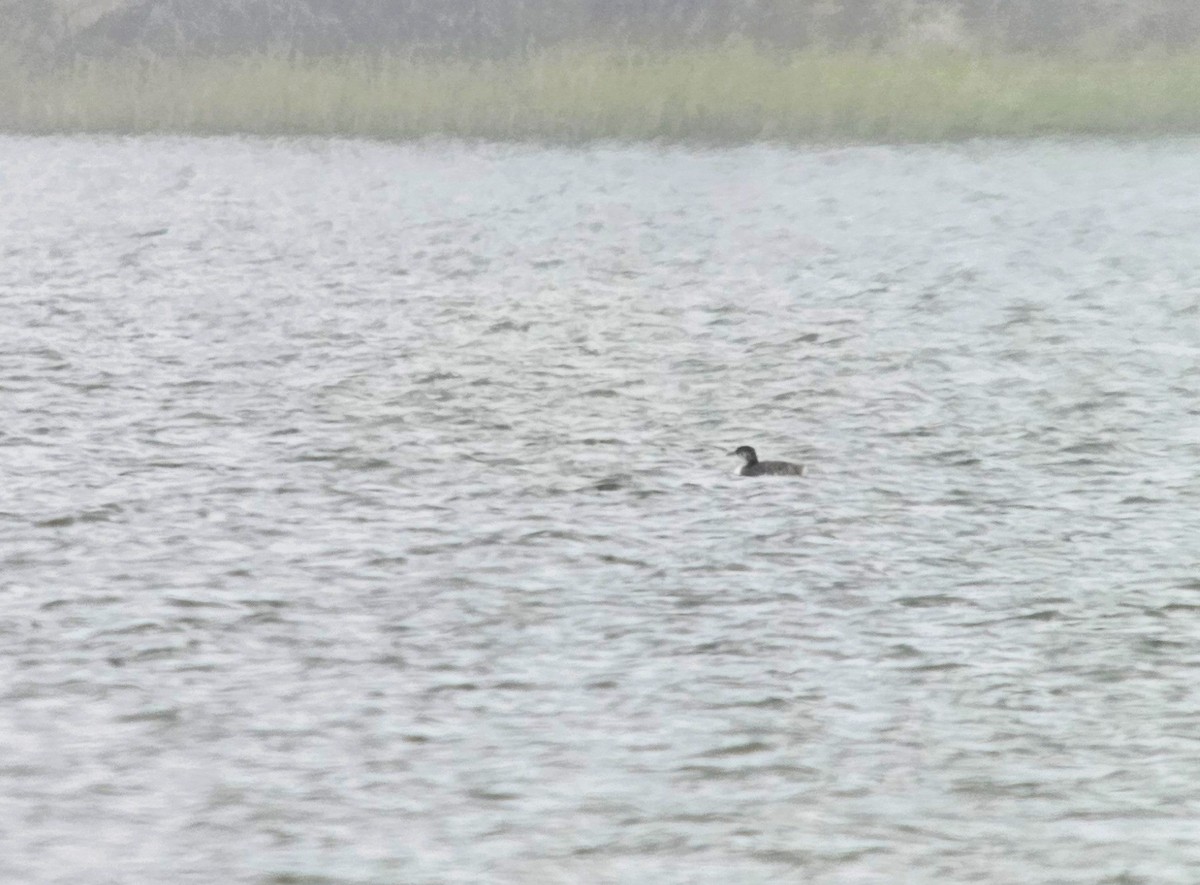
(754, 467)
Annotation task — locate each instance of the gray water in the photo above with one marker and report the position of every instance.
(366, 516)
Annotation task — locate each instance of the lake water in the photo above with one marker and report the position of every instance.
(366, 516)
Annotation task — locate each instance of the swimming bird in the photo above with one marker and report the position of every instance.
(754, 467)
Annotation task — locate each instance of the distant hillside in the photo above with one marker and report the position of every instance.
(66, 29)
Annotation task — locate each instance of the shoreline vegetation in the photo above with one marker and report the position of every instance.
(731, 94)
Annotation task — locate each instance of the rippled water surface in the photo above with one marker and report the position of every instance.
(366, 516)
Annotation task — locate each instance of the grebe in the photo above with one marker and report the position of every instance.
(754, 467)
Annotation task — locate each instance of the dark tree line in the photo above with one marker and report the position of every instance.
(503, 27)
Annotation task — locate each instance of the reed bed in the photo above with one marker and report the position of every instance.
(732, 94)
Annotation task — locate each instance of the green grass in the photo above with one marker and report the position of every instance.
(725, 95)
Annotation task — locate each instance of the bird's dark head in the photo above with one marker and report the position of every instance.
(746, 453)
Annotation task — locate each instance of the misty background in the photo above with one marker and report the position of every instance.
(68, 29)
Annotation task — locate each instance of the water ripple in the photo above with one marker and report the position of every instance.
(367, 519)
